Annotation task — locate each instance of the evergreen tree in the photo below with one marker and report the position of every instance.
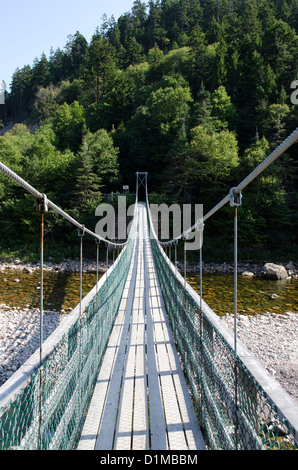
(101, 63)
(87, 185)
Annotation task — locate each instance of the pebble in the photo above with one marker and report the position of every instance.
(273, 340)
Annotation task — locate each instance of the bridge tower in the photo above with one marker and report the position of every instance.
(141, 185)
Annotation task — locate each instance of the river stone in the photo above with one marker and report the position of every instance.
(248, 274)
(275, 271)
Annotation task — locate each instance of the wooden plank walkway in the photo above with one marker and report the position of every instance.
(141, 400)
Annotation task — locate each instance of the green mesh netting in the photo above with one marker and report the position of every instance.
(49, 412)
(233, 410)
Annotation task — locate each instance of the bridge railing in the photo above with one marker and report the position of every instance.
(238, 403)
(43, 405)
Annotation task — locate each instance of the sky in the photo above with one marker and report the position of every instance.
(30, 28)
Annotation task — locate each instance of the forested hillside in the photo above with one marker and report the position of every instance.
(196, 92)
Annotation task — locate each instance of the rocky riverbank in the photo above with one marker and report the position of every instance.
(270, 270)
(20, 335)
(272, 338)
(67, 265)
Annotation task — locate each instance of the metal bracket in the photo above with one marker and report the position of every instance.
(200, 225)
(42, 204)
(235, 198)
(81, 231)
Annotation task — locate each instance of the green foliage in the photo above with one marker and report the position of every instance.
(104, 156)
(196, 93)
(211, 156)
(69, 126)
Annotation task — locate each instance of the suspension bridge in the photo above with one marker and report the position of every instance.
(142, 362)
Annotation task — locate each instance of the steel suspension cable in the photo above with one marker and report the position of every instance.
(39, 196)
(256, 172)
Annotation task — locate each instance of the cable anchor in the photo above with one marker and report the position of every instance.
(200, 225)
(235, 198)
(42, 205)
(81, 231)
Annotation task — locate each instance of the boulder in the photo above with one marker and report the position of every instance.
(248, 274)
(275, 271)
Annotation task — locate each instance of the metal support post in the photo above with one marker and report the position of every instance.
(185, 238)
(42, 207)
(107, 255)
(141, 181)
(81, 233)
(235, 201)
(97, 263)
(200, 228)
(107, 268)
(176, 243)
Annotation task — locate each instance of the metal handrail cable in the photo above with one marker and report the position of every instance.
(237, 190)
(12, 175)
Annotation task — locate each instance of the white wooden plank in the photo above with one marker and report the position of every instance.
(107, 426)
(172, 390)
(90, 430)
(158, 434)
(160, 400)
(140, 422)
(176, 435)
(190, 422)
(140, 436)
(124, 428)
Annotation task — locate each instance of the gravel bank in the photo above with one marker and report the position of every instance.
(19, 336)
(273, 339)
(67, 265)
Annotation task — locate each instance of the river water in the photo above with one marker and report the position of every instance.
(254, 295)
(61, 291)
